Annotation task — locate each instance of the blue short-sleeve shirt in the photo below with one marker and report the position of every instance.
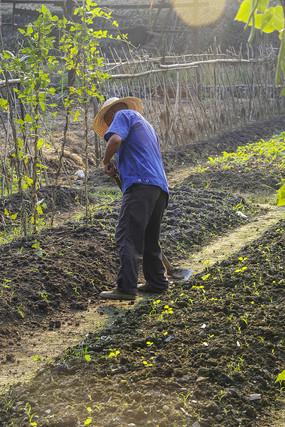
(138, 159)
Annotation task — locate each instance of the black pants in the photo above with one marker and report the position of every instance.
(137, 235)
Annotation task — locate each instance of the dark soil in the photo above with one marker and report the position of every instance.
(244, 179)
(63, 267)
(69, 265)
(195, 152)
(192, 218)
(55, 199)
(207, 353)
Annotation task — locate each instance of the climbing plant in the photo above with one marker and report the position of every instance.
(26, 105)
(52, 48)
(267, 16)
(81, 37)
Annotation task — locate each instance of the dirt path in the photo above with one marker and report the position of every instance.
(225, 246)
(177, 177)
(280, 422)
(36, 348)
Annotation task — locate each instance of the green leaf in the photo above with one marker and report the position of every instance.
(40, 143)
(28, 118)
(76, 116)
(266, 19)
(36, 358)
(39, 210)
(87, 357)
(13, 216)
(281, 198)
(52, 91)
(4, 104)
(30, 30)
(281, 377)
(20, 143)
(88, 421)
(27, 182)
(44, 10)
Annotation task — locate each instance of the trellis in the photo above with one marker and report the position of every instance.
(187, 101)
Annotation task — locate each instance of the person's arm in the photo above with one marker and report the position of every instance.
(116, 134)
(112, 147)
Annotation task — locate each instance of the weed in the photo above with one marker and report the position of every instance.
(30, 415)
(44, 296)
(36, 358)
(235, 365)
(21, 311)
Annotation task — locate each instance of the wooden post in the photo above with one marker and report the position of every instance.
(68, 7)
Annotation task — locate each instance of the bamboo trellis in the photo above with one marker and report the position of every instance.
(187, 101)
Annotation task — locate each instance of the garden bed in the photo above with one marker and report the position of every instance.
(70, 265)
(207, 353)
(253, 168)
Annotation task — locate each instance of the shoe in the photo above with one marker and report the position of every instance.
(148, 289)
(118, 295)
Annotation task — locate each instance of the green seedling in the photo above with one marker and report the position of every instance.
(113, 354)
(30, 415)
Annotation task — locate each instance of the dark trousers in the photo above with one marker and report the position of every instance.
(137, 235)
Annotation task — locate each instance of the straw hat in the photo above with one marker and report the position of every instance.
(99, 124)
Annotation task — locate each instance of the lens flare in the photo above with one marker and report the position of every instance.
(197, 13)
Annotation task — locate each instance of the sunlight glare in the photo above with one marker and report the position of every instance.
(197, 13)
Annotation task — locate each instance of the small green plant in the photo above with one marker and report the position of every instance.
(166, 311)
(86, 356)
(36, 358)
(44, 296)
(88, 421)
(21, 311)
(5, 284)
(281, 195)
(235, 365)
(31, 416)
(241, 270)
(36, 245)
(113, 354)
(199, 288)
(147, 364)
(281, 378)
(154, 307)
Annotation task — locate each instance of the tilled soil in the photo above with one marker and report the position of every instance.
(207, 353)
(192, 218)
(69, 265)
(63, 267)
(54, 199)
(240, 179)
(253, 168)
(198, 151)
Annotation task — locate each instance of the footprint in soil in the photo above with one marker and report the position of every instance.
(79, 305)
(54, 324)
(65, 422)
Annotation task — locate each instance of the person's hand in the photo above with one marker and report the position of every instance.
(110, 169)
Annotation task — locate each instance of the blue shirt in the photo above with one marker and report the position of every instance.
(138, 159)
